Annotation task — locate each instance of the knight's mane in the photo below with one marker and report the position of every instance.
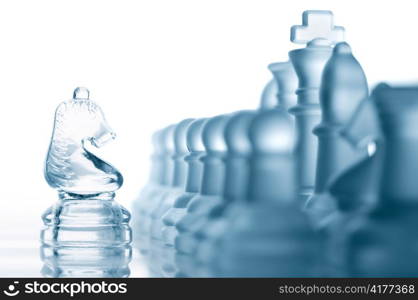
(66, 109)
(64, 117)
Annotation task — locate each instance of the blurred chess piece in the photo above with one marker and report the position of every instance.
(196, 150)
(86, 223)
(238, 168)
(382, 241)
(152, 215)
(267, 233)
(287, 82)
(235, 189)
(343, 88)
(320, 34)
(354, 189)
(167, 202)
(236, 162)
(141, 205)
(64, 262)
(199, 207)
(269, 95)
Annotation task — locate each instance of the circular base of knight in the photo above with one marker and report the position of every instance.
(86, 221)
(86, 261)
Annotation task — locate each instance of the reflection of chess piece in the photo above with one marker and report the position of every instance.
(267, 234)
(319, 33)
(196, 150)
(167, 202)
(210, 196)
(86, 223)
(383, 241)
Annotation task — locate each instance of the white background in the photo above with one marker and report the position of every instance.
(152, 63)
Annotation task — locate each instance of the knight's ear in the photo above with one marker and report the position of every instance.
(81, 93)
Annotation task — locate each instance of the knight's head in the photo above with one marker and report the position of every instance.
(81, 119)
(70, 166)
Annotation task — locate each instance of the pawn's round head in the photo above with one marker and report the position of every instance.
(272, 132)
(194, 135)
(236, 132)
(180, 137)
(167, 139)
(213, 134)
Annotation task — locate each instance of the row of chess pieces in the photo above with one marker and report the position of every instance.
(319, 181)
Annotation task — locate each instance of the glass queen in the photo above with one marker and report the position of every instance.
(86, 232)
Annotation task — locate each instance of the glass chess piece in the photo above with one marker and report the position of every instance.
(70, 262)
(174, 215)
(382, 241)
(319, 33)
(196, 150)
(210, 196)
(343, 88)
(287, 82)
(268, 235)
(86, 233)
(177, 189)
